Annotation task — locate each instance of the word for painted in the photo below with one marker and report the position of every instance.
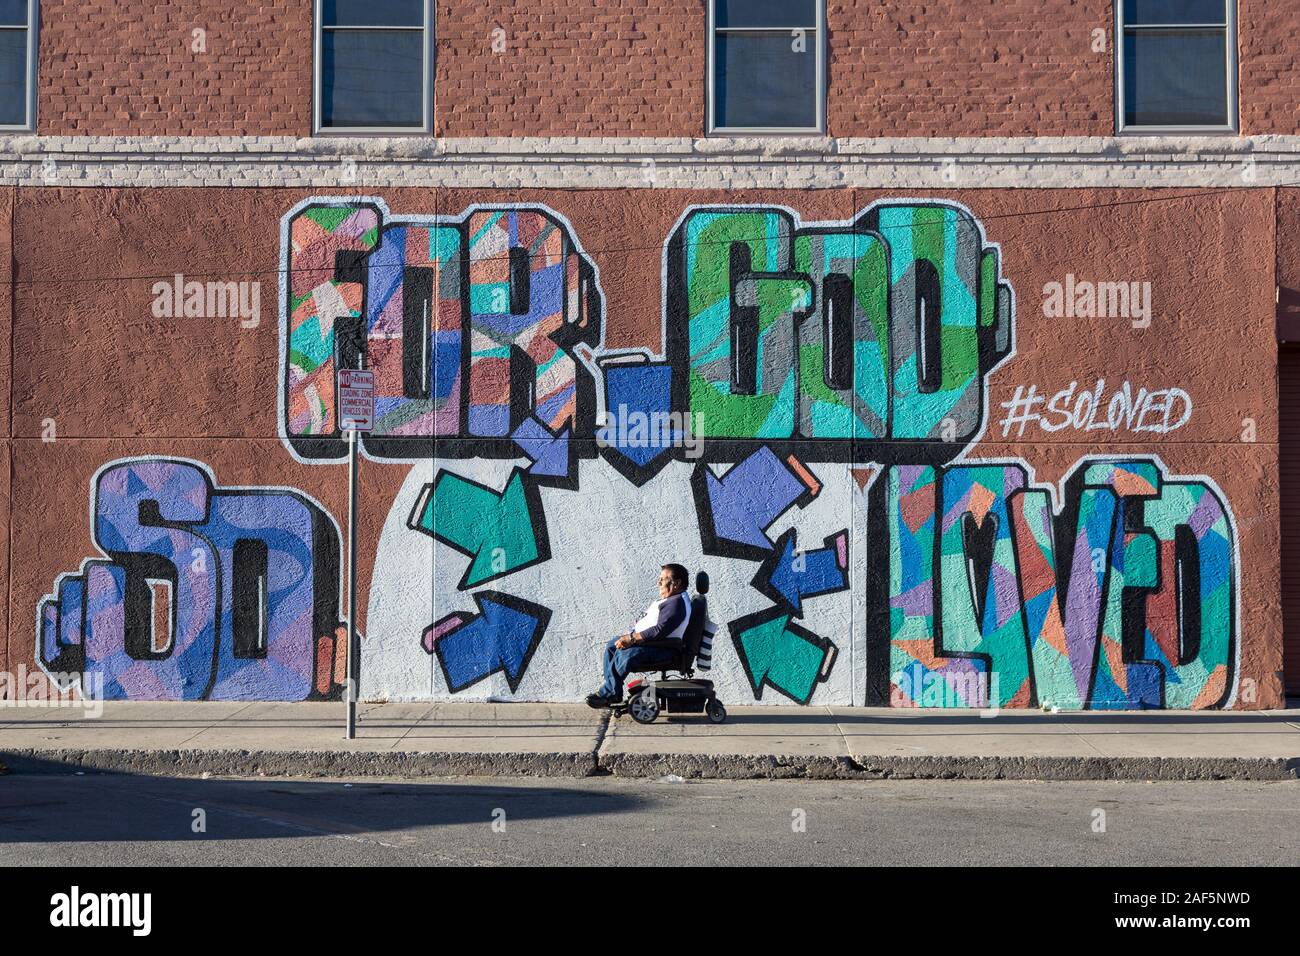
(1125, 598)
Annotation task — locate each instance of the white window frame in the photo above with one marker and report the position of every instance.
(318, 32)
(1230, 77)
(33, 50)
(819, 72)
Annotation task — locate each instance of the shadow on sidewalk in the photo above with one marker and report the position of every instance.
(47, 802)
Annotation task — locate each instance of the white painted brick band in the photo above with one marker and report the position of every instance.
(648, 163)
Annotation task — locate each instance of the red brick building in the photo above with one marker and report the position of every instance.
(944, 336)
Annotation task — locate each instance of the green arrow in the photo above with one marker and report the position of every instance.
(783, 655)
(502, 531)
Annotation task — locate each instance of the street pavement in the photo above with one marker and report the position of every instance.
(65, 818)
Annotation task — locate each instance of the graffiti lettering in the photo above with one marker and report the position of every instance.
(471, 325)
(870, 336)
(204, 592)
(984, 577)
(1161, 411)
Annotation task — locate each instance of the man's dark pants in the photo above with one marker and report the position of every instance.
(619, 663)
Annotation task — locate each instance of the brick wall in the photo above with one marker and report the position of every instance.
(109, 68)
(969, 68)
(590, 68)
(1268, 35)
(580, 68)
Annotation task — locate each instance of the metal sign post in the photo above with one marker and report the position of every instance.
(356, 392)
(350, 688)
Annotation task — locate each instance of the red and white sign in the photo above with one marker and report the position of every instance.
(356, 400)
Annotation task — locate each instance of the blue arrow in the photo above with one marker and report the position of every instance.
(638, 395)
(549, 453)
(502, 637)
(753, 494)
(792, 577)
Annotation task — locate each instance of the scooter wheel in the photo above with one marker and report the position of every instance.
(715, 711)
(644, 707)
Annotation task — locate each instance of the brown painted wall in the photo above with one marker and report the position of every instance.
(586, 68)
(117, 382)
(1288, 261)
(6, 386)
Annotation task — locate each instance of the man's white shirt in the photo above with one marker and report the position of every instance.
(661, 613)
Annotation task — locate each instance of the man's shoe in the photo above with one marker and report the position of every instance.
(597, 701)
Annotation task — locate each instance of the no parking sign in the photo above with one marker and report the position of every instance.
(356, 400)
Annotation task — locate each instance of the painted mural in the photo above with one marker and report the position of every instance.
(202, 592)
(806, 431)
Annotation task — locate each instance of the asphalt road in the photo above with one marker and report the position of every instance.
(66, 819)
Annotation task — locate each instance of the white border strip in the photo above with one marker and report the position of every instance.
(364, 163)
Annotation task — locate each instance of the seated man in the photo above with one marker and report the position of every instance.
(664, 620)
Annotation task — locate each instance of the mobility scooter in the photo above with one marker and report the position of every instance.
(646, 698)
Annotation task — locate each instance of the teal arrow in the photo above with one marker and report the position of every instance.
(503, 532)
(782, 655)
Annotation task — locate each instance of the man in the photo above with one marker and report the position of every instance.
(664, 620)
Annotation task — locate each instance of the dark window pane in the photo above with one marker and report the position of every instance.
(1174, 11)
(13, 12)
(762, 82)
(1175, 78)
(372, 13)
(372, 78)
(765, 13)
(13, 77)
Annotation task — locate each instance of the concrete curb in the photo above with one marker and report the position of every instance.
(338, 763)
(304, 763)
(778, 767)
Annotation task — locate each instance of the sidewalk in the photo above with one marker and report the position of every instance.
(452, 739)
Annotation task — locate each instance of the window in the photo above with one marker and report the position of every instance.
(766, 66)
(18, 63)
(372, 65)
(1177, 65)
